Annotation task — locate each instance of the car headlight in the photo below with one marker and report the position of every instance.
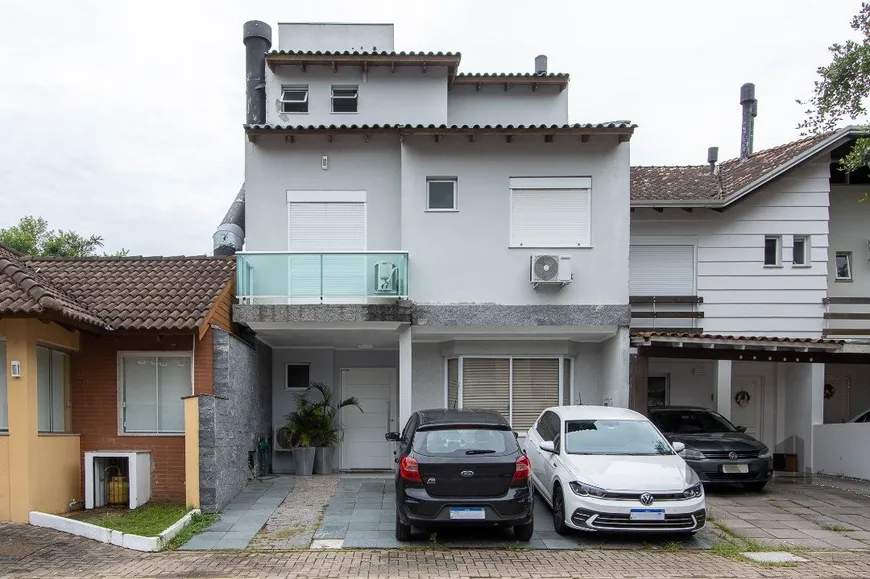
(692, 454)
(765, 453)
(584, 490)
(694, 491)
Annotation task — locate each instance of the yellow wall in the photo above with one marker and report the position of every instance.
(4, 478)
(59, 473)
(191, 450)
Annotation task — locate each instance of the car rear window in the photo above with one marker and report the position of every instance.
(464, 441)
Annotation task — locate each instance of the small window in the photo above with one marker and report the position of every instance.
(345, 99)
(298, 376)
(153, 386)
(441, 195)
(844, 266)
(801, 250)
(294, 99)
(51, 372)
(771, 250)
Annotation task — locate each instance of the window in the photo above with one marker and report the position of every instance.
(615, 437)
(294, 99)
(153, 385)
(441, 195)
(458, 442)
(550, 212)
(800, 250)
(345, 99)
(4, 409)
(518, 388)
(548, 426)
(298, 376)
(657, 391)
(844, 266)
(51, 372)
(771, 250)
(566, 382)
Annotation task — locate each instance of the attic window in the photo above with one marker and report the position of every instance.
(345, 98)
(294, 99)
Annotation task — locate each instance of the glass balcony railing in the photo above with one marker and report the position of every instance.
(290, 277)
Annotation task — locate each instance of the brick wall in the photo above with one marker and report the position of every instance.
(94, 380)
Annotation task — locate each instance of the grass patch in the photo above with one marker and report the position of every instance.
(672, 546)
(836, 528)
(198, 523)
(148, 520)
(733, 547)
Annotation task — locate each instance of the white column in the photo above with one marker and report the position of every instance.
(722, 387)
(805, 408)
(405, 376)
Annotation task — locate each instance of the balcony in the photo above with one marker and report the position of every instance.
(847, 317)
(293, 277)
(666, 313)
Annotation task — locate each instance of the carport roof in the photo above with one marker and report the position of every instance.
(679, 339)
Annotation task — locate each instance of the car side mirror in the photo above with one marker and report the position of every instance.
(678, 447)
(741, 429)
(393, 436)
(548, 446)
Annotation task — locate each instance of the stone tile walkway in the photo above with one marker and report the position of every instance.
(243, 518)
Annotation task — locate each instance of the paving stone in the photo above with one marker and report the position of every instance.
(787, 534)
(775, 557)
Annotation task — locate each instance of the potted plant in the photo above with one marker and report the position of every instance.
(330, 431)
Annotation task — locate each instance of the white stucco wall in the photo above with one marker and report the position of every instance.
(493, 105)
(614, 369)
(406, 96)
(464, 256)
(803, 410)
(335, 37)
(849, 232)
(841, 449)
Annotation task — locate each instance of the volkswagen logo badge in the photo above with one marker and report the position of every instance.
(732, 455)
(467, 473)
(646, 499)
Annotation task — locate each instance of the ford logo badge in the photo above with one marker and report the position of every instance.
(467, 473)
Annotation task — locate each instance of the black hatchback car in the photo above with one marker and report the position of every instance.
(717, 451)
(461, 467)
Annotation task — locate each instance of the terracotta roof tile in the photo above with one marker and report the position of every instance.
(721, 337)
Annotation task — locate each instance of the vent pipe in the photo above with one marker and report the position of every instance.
(230, 234)
(257, 37)
(750, 111)
(541, 64)
(713, 158)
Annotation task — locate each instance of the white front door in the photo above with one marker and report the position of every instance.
(364, 446)
(746, 393)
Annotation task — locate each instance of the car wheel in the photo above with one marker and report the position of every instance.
(403, 531)
(755, 486)
(524, 532)
(559, 513)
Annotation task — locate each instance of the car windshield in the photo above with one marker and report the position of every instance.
(617, 437)
(691, 422)
(464, 441)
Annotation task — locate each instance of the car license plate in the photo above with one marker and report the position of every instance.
(647, 514)
(468, 513)
(735, 468)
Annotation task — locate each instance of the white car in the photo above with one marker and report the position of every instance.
(602, 468)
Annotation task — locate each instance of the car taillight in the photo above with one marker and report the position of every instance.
(523, 468)
(409, 469)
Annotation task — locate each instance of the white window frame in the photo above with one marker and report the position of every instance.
(120, 379)
(848, 256)
(778, 240)
(455, 182)
(287, 387)
(333, 97)
(807, 251)
(531, 183)
(294, 88)
(560, 357)
(52, 427)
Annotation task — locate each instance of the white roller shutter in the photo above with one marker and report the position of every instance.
(662, 270)
(550, 217)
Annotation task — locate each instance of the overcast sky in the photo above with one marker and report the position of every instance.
(124, 118)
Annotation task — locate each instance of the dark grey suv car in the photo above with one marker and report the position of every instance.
(715, 449)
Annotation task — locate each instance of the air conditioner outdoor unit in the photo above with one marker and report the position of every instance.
(386, 278)
(550, 269)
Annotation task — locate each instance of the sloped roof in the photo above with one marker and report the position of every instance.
(733, 177)
(615, 127)
(114, 293)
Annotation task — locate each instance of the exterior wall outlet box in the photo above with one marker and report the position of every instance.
(323, 162)
(15, 369)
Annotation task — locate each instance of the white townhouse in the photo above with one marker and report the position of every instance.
(750, 293)
(417, 236)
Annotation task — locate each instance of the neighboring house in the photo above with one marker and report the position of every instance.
(751, 276)
(98, 355)
(419, 237)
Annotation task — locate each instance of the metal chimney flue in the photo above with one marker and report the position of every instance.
(712, 158)
(257, 37)
(541, 64)
(750, 111)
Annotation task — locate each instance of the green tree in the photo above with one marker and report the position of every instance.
(31, 236)
(843, 89)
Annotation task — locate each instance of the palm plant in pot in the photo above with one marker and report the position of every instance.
(330, 431)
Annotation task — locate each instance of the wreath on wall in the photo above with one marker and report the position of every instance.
(829, 391)
(742, 398)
